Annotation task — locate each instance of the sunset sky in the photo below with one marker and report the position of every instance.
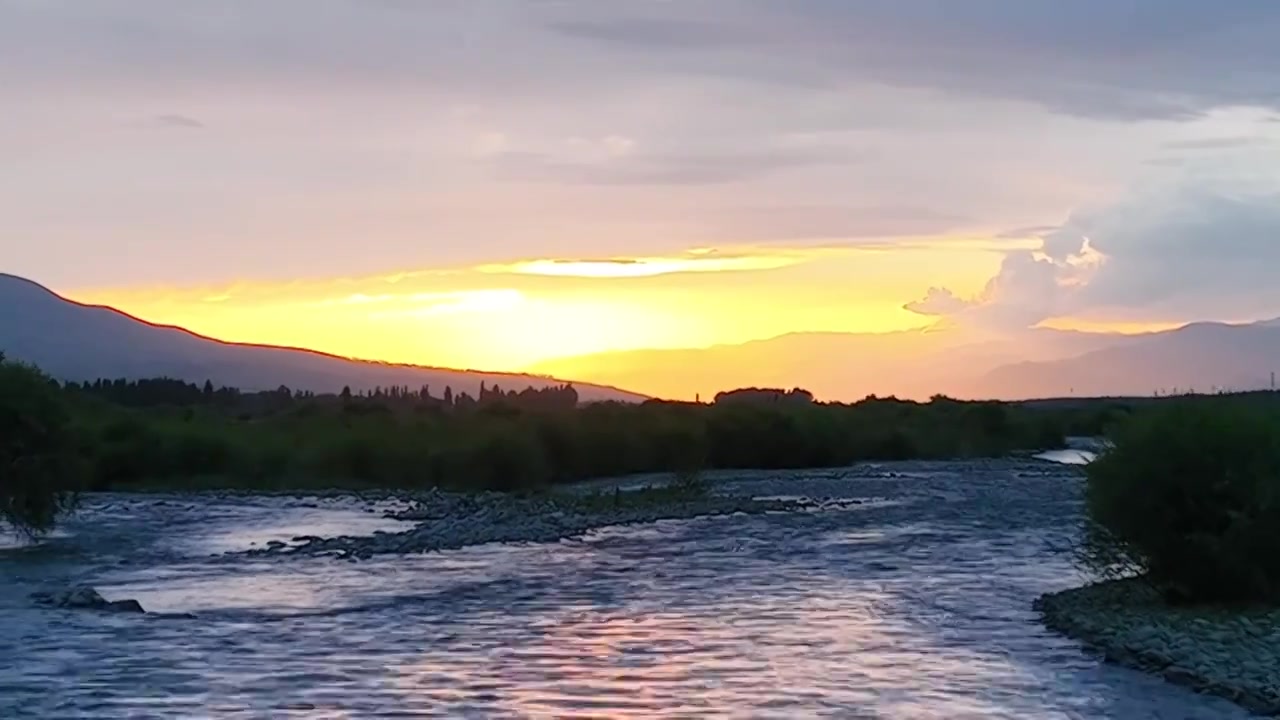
(491, 184)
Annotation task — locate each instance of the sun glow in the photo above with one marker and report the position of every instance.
(515, 315)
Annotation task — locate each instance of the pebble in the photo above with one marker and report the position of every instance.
(1207, 651)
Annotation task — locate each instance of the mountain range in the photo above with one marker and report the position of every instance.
(77, 342)
(72, 341)
(1026, 364)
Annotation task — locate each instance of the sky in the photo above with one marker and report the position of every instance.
(495, 183)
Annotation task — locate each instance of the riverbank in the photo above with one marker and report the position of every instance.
(1232, 653)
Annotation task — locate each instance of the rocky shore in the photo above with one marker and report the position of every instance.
(445, 521)
(1230, 653)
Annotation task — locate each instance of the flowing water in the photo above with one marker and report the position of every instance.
(916, 604)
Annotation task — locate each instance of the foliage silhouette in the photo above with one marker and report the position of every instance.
(509, 440)
(39, 463)
(1189, 498)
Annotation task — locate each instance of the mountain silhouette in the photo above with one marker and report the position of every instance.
(76, 342)
(834, 366)
(1200, 357)
(1025, 364)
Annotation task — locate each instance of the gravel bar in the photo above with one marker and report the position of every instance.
(446, 521)
(1231, 653)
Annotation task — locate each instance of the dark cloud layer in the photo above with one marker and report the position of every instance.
(1098, 58)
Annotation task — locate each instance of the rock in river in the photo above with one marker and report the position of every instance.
(84, 598)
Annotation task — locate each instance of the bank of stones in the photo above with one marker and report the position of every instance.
(445, 521)
(1230, 653)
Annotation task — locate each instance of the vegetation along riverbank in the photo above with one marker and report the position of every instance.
(1183, 533)
(118, 435)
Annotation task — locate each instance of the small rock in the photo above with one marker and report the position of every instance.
(1180, 675)
(125, 606)
(84, 598)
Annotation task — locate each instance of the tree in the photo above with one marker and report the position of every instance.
(346, 392)
(39, 474)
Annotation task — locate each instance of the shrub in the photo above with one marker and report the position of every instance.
(38, 453)
(1190, 496)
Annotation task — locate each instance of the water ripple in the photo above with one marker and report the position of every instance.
(914, 607)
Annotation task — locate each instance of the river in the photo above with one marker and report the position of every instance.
(915, 604)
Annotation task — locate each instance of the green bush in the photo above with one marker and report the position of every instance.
(1190, 497)
(39, 464)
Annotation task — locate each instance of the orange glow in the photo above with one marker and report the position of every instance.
(1113, 326)
(515, 315)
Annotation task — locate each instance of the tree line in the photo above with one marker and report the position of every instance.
(153, 392)
(118, 435)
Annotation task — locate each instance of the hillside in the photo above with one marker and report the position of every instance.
(1201, 357)
(72, 341)
(1034, 363)
(834, 366)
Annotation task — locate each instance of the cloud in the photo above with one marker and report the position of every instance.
(1026, 232)
(1097, 58)
(1188, 250)
(1182, 251)
(939, 301)
(577, 128)
(1029, 288)
(782, 222)
(649, 32)
(178, 121)
(1217, 143)
(702, 262)
(615, 163)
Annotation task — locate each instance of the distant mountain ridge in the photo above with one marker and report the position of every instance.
(1027, 364)
(1199, 357)
(74, 341)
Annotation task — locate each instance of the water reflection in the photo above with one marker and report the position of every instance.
(1069, 456)
(915, 608)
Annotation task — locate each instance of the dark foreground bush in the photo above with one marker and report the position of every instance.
(1190, 497)
(38, 466)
